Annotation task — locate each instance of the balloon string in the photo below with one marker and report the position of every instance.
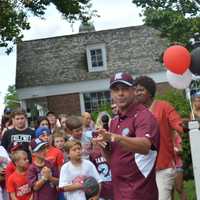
(192, 112)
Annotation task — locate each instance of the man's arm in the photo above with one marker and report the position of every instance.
(140, 145)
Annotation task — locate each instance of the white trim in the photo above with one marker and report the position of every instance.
(67, 88)
(121, 81)
(145, 163)
(77, 87)
(89, 60)
(158, 77)
(23, 105)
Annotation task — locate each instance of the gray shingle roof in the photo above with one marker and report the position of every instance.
(63, 59)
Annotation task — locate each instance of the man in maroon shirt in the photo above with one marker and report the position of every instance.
(134, 139)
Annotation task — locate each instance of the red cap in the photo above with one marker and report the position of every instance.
(122, 77)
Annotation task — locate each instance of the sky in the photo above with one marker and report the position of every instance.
(113, 14)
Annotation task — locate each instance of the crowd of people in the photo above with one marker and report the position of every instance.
(133, 152)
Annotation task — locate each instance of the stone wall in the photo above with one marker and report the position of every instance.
(63, 59)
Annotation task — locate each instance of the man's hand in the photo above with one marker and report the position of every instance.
(102, 136)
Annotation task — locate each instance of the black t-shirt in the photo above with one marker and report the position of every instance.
(14, 136)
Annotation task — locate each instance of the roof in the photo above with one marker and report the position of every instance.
(63, 59)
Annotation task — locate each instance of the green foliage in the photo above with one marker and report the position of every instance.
(184, 7)
(172, 24)
(176, 20)
(103, 107)
(12, 21)
(11, 99)
(179, 101)
(189, 188)
(14, 16)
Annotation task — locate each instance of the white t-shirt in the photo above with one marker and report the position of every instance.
(70, 172)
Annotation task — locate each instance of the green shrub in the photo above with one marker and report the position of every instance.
(103, 107)
(178, 100)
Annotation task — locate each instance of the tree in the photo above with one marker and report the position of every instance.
(14, 16)
(176, 20)
(11, 99)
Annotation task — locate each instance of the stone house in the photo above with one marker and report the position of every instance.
(70, 74)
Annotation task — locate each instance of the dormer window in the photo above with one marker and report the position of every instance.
(96, 58)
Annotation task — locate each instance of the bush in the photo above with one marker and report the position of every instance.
(103, 107)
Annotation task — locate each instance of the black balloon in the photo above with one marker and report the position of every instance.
(195, 64)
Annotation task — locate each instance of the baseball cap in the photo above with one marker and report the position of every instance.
(37, 145)
(7, 110)
(14, 146)
(41, 130)
(196, 94)
(122, 77)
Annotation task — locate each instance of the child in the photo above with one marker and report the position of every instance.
(73, 172)
(74, 125)
(104, 171)
(17, 186)
(11, 167)
(59, 140)
(53, 154)
(42, 174)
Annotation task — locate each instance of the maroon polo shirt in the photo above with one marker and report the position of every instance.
(48, 191)
(133, 174)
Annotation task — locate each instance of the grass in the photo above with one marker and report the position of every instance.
(189, 187)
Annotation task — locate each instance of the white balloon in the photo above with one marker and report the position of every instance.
(179, 81)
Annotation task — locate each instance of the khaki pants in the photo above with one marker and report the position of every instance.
(165, 181)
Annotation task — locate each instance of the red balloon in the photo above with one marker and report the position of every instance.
(177, 59)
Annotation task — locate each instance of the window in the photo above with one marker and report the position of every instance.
(96, 57)
(37, 107)
(93, 101)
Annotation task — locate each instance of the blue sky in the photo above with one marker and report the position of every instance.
(113, 14)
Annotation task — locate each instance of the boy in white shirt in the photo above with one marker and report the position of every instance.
(73, 173)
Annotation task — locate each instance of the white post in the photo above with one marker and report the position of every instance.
(195, 151)
(82, 104)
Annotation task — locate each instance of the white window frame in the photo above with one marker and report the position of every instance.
(89, 58)
(97, 102)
